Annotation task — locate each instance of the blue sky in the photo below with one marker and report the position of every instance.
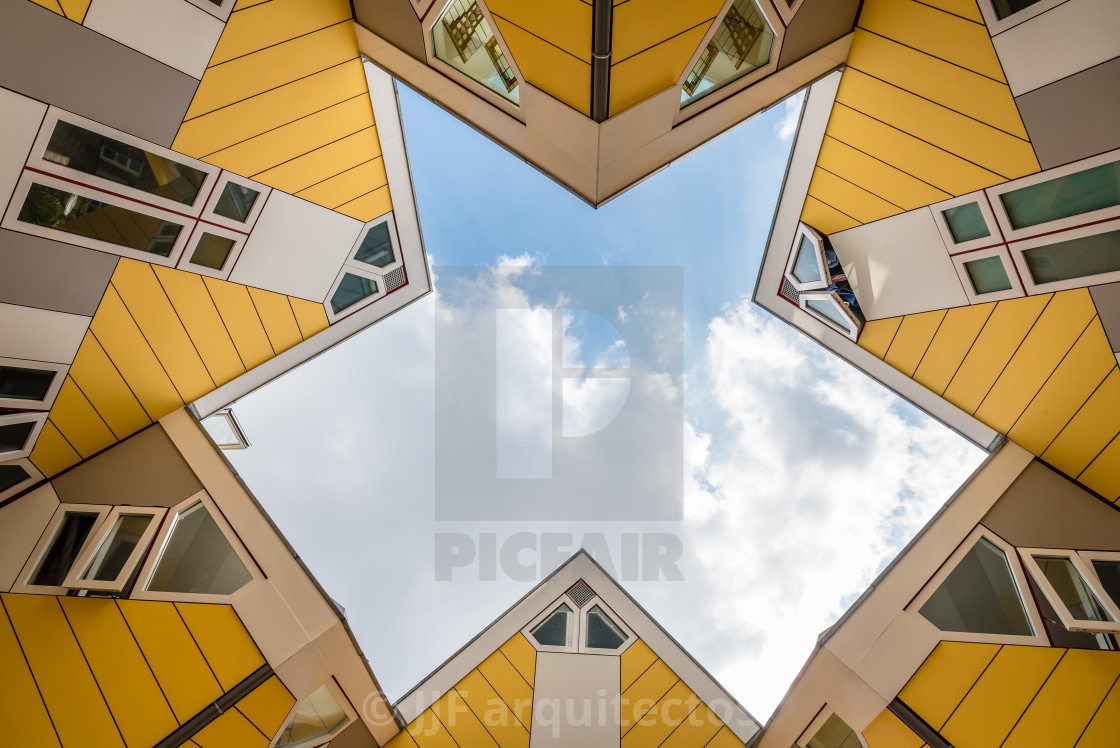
(803, 477)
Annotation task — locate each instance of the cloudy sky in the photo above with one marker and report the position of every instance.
(801, 477)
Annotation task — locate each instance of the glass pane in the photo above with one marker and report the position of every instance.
(351, 290)
(212, 251)
(555, 631)
(1005, 8)
(221, 430)
(742, 43)
(966, 223)
(11, 475)
(236, 202)
(835, 733)
(829, 310)
(807, 266)
(64, 549)
(317, 717)
(1063, 197)
(1076, 258)
(602, 633)
(979, 596)
(93, 153)
(463, 39)
(1109, 574)
(988, 275)
(1074, 593)
(376, 249)
(198, 558)
(117, 546)
(25, 384)
(64, 211)
(13, 436)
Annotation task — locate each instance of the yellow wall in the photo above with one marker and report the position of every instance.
(284, 101)
(75, 10)
(85, 671)
(923, 113)
(160, 339)
(1039, 370)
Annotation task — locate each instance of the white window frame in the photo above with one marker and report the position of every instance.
(48, 538)
(1000, 251)
(579, 627)
(583, 612)
(201, 227)
(803, 302)
(1011, 234)
(1090, 578)
(994, 236)
(1032, 288)
(815, 238)
(33, 476)
(55, 114)
(60, 371)
(817, 723)
(100, 535)
(398, 260)
(1039, 636)
(144, 578)
(226, 414)
(332, 316)
(339, 696)
(996, 26)
(573, 644)
(209, 216)
(37, 418)
(787, 12)
(20, 195)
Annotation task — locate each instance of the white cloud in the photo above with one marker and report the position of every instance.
(786, 127)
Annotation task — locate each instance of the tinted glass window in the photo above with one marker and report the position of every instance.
(64, 549)
(979, 596)
(25, 384)
(198, 558)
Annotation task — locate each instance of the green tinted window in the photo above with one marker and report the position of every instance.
(1063, 197)
(966, 223)
(1076, 258)
(987, 275)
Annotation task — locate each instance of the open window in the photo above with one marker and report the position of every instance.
(580, 621)
(742, 43)
(1073, 589)
(223, 428)
(834, 310)
(67, 536)
(316, 719)
(1106, 567)
(29, 385)
(110, 558)
(807, 268)
(462, 38)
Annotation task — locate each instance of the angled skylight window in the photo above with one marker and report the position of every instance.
(317, 717)
(463, 39)
(602, 632)
(742, 43)
(1069, 585)
(807, 268)
(108, 563)
(556, 629)
(197, 558)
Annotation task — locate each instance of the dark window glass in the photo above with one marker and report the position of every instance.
(212, 251)
(25, 384)
(83, 216)
(376, 248)
(553, 631)
(988, 275)
(64, 550)
(13, 436)
(117, 546)
(1076, 258)
(1063, 197)
(93, 153)
(979, 596)
(351, 290)
(602, 633)
(236, 202)
(835, 733)
(1072, 589)
(966, 223)
(1109, 573)
(198, 558)
(11, 475)
(1005, 8)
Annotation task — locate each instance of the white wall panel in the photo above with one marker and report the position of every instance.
(296, 248)
(1058, 43)
(21, 524)
(589, 685)
(20, 118)
(899, 266)
(174, 32)
(40, 334)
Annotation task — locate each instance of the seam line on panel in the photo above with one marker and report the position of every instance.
(64, 438)
(663, 41)
(166, 373)
(1098, 455)
(125, 381)
(273, 129)
(93, 407)
(30, 671)
(251, 722)
(1075, 413)
(519, 675)
(964, 698)
(179, 613)
(183, 324)
(276, 44)
(261, 320)
(924, 52)
(971, 345)
(833, 207)
(946, 195)
(861, 187)
(951, 13)
(638, 720)
(256, 176)
(336, 174)
(1033, 698)
(1003, 369)
(223, 320)
(1096, 711)
(503, 699)
(147, 664)
(359, 197)
(540, 38)
(932, 338)
(89, 667)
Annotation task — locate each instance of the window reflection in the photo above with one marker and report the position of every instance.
(742, 43)
(463, 39)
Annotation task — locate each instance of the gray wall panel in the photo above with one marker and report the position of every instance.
(1075, 117)
(46, 57)
(816, 23)
(1107, 300)
(52, 275)
(392, 20)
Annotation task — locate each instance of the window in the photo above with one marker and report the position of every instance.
(463, 39)
(966, 223)
(987, 275)
(18, 432)
(834, 310)
(808, 265)
(211, 251)
(223, 428)
(1070, 587)
(26, 384)
(11, 475)
(580, 621)
(317, 717)
(376, 248)
(602, 632)
(1005, 8)
(1108, 573)
(367, 273)
(111, 558)
(834, 733)
(1081, 257)
(236, 202)
(742, 43)
(556, 629)
(352, 289)
(1074, 194)
(197, 558)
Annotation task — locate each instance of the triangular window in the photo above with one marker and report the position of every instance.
(197, 558)
(742, 43)
(602, 632)
(463, 39)
(317, 717)
(980, 596)
(556, 629)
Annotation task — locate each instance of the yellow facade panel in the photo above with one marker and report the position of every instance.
(500, 721)
(876, 177)
(1061, 324)
(1102, 731)
(278, 318)
(1000, 697)
(129, 351)
(68, 688)
(514, 690)
(75, 10)
(106, 390)
(52, 453)
(554, 71)
(659, 722)
(646, 690)
(267, 705)
(725, 738)
(135, 699)
(226, 645)
(243, 4)
(173, 656)
(640, 24)
(952, 343)
(1068, 700)
(913, 339)
(1096, 424)
(932, 78)
(460, 722)
(936, 166)
(1009, 324)
(888, 731)
(311, 317)
(322, 163)
(230, 730)
(1081, 371)
(402, 739)
(637, 78)
(22, 712)
(634, 661)
(428, 732)
(522, 655)
(200, 317)
(369, 206)
(825, 218)
(877, 335)
(564, 23)
(934, 32)
(223, 128)
(260, 26)
(349, 185)
(942, 681)
(79, 422)
(698, 729)
(1103, 473)
(849, 198)
(240, 318)
(963, 8)
(275, 66)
